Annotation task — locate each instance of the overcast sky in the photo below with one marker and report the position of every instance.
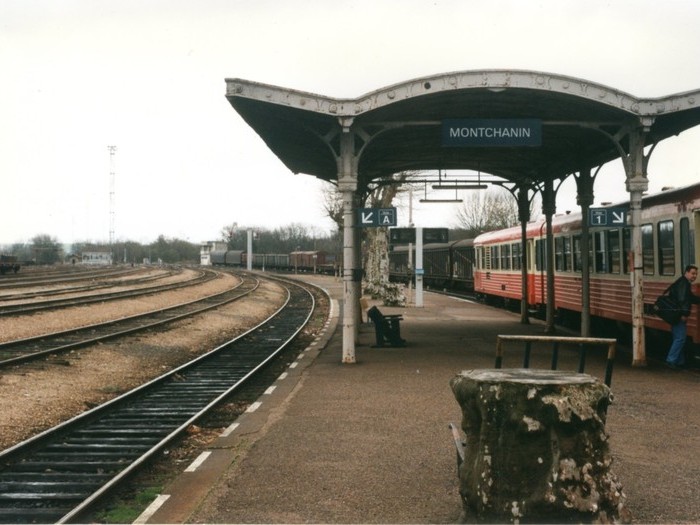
(77, 76)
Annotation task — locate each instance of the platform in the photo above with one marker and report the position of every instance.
(369, 442)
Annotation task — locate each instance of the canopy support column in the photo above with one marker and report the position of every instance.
(347, 185)
(584, 198)
(524, 217)
(637, 183)
(549, 208)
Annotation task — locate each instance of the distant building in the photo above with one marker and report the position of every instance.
(207, 247)
(97, 258)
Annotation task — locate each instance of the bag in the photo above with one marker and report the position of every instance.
(667, 308)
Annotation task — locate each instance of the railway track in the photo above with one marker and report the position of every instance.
(53, 277)
(59, 474)
(22, 350)
(202, 277)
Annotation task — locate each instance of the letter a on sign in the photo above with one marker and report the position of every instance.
(387, 216)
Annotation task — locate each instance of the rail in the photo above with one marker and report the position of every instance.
(582, 343)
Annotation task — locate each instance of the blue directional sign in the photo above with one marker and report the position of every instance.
(607, 217)
(376, 217)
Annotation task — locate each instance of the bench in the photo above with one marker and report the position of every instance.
(386, 328)
(581, 342)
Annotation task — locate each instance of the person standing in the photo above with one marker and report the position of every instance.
(681, 291)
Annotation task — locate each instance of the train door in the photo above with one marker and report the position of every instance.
(533, 273)
(689, 231)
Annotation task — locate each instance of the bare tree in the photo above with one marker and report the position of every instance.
(333, 204)
(228, 232)
(489, 210)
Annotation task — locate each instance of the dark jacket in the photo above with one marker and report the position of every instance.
(681, 292)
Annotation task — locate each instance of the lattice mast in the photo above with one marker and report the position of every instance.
(112, 177)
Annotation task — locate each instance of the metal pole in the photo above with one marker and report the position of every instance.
(249, 262)
(419, 267)
(584, 196)
(549, 208)
(637, 184)
(347, 184)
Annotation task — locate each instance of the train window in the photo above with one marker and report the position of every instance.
(666, 245)
(687, 243)
(494, 258)
(614, 259)
(484, 258)
(516, 250)
(626, 249)
(540, 256)
(648, 249)
(578, 265)
(567, 253)
(578, 260)
(559, 254)
(505, 257)
(600, 259)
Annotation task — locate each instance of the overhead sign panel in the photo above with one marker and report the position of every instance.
(407, 235)
(492, 132)
(607, 217)
(376, 217)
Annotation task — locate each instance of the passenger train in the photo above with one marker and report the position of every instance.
(490, 265)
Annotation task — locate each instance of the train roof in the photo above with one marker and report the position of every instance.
(686, 196)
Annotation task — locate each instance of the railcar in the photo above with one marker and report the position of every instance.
(445, 265)
(226, 257)
(8, 263)
(268, 261)
(316, 261)
(669, 227)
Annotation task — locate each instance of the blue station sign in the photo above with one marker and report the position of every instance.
(607, 217)
(376, 217)
(492, 132)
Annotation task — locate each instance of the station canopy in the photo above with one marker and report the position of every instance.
(398, 128)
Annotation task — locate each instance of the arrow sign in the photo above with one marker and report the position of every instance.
(367, 217)
(375, 217)
(618, 216)
(607, 217)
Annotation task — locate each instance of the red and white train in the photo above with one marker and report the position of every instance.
(670, 228)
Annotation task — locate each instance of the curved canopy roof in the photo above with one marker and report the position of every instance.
(584, 124)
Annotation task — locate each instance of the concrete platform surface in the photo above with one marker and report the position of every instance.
(369, 442)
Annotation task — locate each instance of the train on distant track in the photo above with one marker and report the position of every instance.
(448, 265)
(490, 264)
(313, 261)
(8, 264)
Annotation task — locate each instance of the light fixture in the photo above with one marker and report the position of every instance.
(460, 186)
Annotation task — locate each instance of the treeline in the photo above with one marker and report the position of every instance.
(286, 239)
(44, 249)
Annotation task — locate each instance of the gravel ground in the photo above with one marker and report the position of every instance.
(37, 396)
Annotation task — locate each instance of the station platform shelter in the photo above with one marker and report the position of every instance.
(369, 442)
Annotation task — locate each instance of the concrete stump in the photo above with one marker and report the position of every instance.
(536, 448)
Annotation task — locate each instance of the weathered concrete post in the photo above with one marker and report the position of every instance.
(536, 448)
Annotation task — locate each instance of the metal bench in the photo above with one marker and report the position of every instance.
(386, 328)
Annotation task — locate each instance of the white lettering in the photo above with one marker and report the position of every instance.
(490, 133)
